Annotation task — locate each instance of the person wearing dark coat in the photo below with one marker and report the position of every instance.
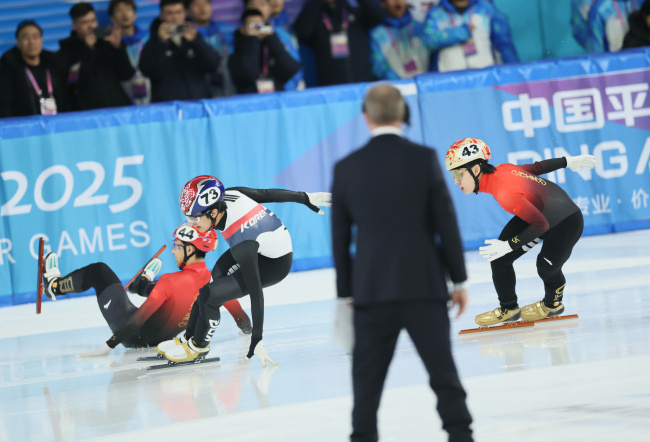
(260, 63)
(27, 61)
(176, 58)
(94, 66)
(338, 35)
(639, 33)
(393, 193)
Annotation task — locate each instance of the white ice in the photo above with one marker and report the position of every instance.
(585, 380)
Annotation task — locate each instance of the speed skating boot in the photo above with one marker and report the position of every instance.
(187, 351)
(165, 346)
(497, 316)
(538, 310)
(51, 275)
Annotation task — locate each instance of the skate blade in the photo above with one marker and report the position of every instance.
(151, 358)
(171, 364)
(515, 325)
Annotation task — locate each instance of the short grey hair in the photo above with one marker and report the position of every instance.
(384, 104)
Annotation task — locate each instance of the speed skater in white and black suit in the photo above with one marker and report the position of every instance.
(260, 256)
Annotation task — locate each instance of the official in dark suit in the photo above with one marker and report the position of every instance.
(407, 241)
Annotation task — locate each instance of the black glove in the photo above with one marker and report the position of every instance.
(138, 284)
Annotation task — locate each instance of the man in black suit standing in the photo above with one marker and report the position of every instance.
(407, 241)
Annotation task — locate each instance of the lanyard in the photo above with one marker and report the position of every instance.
(35, 84)
(265, 62)
(451, 16)
(620, 15)
(328, 22)
(395, 43)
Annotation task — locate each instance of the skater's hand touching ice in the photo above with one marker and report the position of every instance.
(495, 250)
(578, 162)
(101, 351)
(259, 351)
(319, 199)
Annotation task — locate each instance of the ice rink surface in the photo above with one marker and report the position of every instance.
(585, 380)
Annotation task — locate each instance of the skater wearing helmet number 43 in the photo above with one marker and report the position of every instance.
(166, 310)
(260, 256)
(542, 212)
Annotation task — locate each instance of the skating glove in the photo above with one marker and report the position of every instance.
(101, 351)
(578, 162)
(495, 250)
(322, 199)
(259, 351)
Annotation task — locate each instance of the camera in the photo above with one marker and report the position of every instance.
(177, 28)
(260, 27)
(102, 32)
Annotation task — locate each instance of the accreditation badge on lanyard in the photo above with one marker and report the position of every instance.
(409, 60)
(338, 40)
(48, 105)
(264, 84)
(139, 86)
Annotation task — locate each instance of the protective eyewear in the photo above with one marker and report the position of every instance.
(177, 245)
(195, 218)
(457, 173)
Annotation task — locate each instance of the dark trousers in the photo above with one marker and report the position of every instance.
(377, 328)
(556, 250)
(115, 305)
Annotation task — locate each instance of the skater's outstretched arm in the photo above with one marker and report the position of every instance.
(574, 163)
(311, 200)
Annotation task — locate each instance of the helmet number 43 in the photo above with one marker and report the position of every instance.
(470, 150)
(209, 197)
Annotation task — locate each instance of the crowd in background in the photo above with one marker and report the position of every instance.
(186, 55)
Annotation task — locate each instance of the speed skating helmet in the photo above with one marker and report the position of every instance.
(203, 241)
(466, 151)
(200, 194)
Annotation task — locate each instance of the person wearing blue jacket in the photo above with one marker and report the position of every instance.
(608, 24)
(396, 48)
(220, 36)
(281, 23)
(468, 34)
(579, 20)
(123, 16)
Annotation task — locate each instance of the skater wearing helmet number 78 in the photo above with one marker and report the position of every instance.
(542, 212)
(260, 256)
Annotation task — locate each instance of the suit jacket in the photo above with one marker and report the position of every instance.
(392, 192)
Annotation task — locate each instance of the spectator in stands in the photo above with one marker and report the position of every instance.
(396, 45)
(639, 34)
(30, 79)
(338, 34)
(95, 64)
(123, 15)
(608, 24)
(259, 63)
(219, 36)
(176, 58)
(281, 23)
(466, 33)
(579, 20)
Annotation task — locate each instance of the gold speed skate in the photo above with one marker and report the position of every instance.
(538, 310)
(187, 351)
(165, 346)
(497, 316)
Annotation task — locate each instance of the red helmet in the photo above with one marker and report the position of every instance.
(203, 241)
(465, 151)
(200, 194)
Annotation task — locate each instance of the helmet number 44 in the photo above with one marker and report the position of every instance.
(186, 233)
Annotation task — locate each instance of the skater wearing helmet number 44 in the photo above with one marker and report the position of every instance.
(542, 212)
(166, 310)
(260, 256)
